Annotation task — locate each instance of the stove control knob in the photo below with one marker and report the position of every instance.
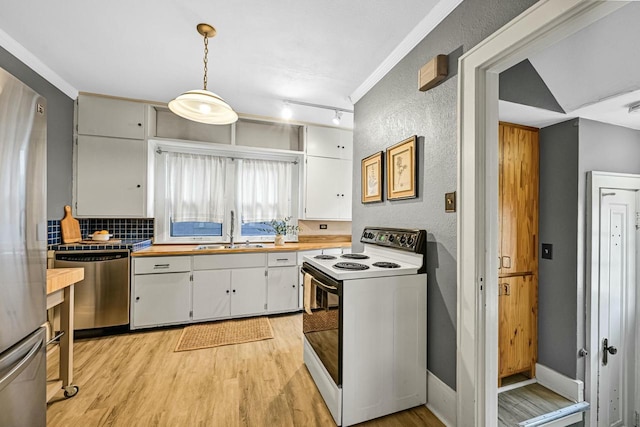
(391, 238)
(403, 239)
(411, 240)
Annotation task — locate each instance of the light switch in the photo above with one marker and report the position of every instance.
(450, 202)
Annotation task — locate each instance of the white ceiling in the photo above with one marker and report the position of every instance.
(594, 73)
(312, 51)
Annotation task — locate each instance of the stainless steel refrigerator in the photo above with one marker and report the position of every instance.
(23, 238)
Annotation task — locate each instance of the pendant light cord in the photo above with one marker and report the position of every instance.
(206, 53)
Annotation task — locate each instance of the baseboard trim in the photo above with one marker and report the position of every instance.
(441, 400)
(561, 384)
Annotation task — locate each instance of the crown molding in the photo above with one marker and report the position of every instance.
(440, 11)
(30, 60)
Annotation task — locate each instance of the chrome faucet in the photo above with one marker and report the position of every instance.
(233, 225)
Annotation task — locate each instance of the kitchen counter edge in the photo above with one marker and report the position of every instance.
(162, 250)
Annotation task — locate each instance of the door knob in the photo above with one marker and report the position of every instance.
(606, 351)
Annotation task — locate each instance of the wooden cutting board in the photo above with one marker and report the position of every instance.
(70, 227)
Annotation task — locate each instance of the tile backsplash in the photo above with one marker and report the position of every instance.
(121, 228)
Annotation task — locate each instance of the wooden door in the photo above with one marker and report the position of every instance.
(518, 265)
(517, 310)
(518, 199)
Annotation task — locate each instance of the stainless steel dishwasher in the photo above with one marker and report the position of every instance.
(102, 298)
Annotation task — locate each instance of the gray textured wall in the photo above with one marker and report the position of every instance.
(523, 85)
(605, 148)
(557, 290)
(395, 109)
(59, 134)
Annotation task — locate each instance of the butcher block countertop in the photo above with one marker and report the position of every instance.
(60, 278)
(161, 250)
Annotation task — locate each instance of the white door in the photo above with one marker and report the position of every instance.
(617, 400)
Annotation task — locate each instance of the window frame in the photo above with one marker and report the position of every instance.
(157, 178)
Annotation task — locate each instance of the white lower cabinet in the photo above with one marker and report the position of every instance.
(228, 293)
(161, 299)
(169, 290)
(211, 294)
(282, 289)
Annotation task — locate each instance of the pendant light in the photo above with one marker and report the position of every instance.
(202, 105)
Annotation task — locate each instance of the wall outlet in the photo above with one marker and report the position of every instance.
(547, 251)
(323, 226)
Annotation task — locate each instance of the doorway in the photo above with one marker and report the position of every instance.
(477, 341)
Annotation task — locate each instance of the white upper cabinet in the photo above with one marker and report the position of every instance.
(328, 191)
(110, 177)
(111, 117)
(328, 173)
(329, 142)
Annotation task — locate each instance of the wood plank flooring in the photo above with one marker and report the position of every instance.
(527, 402)
(137, 380)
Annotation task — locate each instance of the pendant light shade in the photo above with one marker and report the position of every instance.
(201, 105)
(204, 107)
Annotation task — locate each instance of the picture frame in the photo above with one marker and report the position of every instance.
(371, 177)
(401, 170)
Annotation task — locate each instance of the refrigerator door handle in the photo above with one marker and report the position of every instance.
(20, 366)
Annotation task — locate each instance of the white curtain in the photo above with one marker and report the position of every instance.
(195, 187)
(263, 189)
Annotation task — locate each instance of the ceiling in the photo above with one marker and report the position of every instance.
(594, 74)
(316, 52)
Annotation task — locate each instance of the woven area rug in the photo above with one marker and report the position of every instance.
(224, 333)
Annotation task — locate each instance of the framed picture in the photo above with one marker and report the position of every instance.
(401, 170)
(372, 178)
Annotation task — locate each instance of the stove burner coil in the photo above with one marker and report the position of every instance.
(324, 257)
(385, 264)
(350, 266)
(355, 256)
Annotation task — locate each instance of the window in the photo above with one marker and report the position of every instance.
(196, 188)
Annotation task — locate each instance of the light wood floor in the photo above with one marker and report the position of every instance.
(524, 403)
(137, 380)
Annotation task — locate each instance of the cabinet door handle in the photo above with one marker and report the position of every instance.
(161, 266)
(506, 262)
(234, 291)
(228, 291)
(293, 286)
(282, 259)
(140, 124)
(138, 186)
(504, 289)
(137, 298)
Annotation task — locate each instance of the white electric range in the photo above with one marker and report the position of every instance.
(365, 325)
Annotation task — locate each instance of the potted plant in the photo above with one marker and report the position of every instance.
(282, 228)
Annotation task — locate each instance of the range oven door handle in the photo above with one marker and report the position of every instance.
(321, 279)
(326, 288)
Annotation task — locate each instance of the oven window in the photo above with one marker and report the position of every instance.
(321, 328)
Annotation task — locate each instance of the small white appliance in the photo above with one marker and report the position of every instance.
(365, 325)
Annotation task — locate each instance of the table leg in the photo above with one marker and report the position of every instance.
(66, 342)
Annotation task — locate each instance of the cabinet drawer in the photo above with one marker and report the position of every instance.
(282, 258)
(161, 265)
(211, 262)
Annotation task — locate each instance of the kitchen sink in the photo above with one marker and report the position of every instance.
(239, 246)
(205, 247)
(244, 245)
